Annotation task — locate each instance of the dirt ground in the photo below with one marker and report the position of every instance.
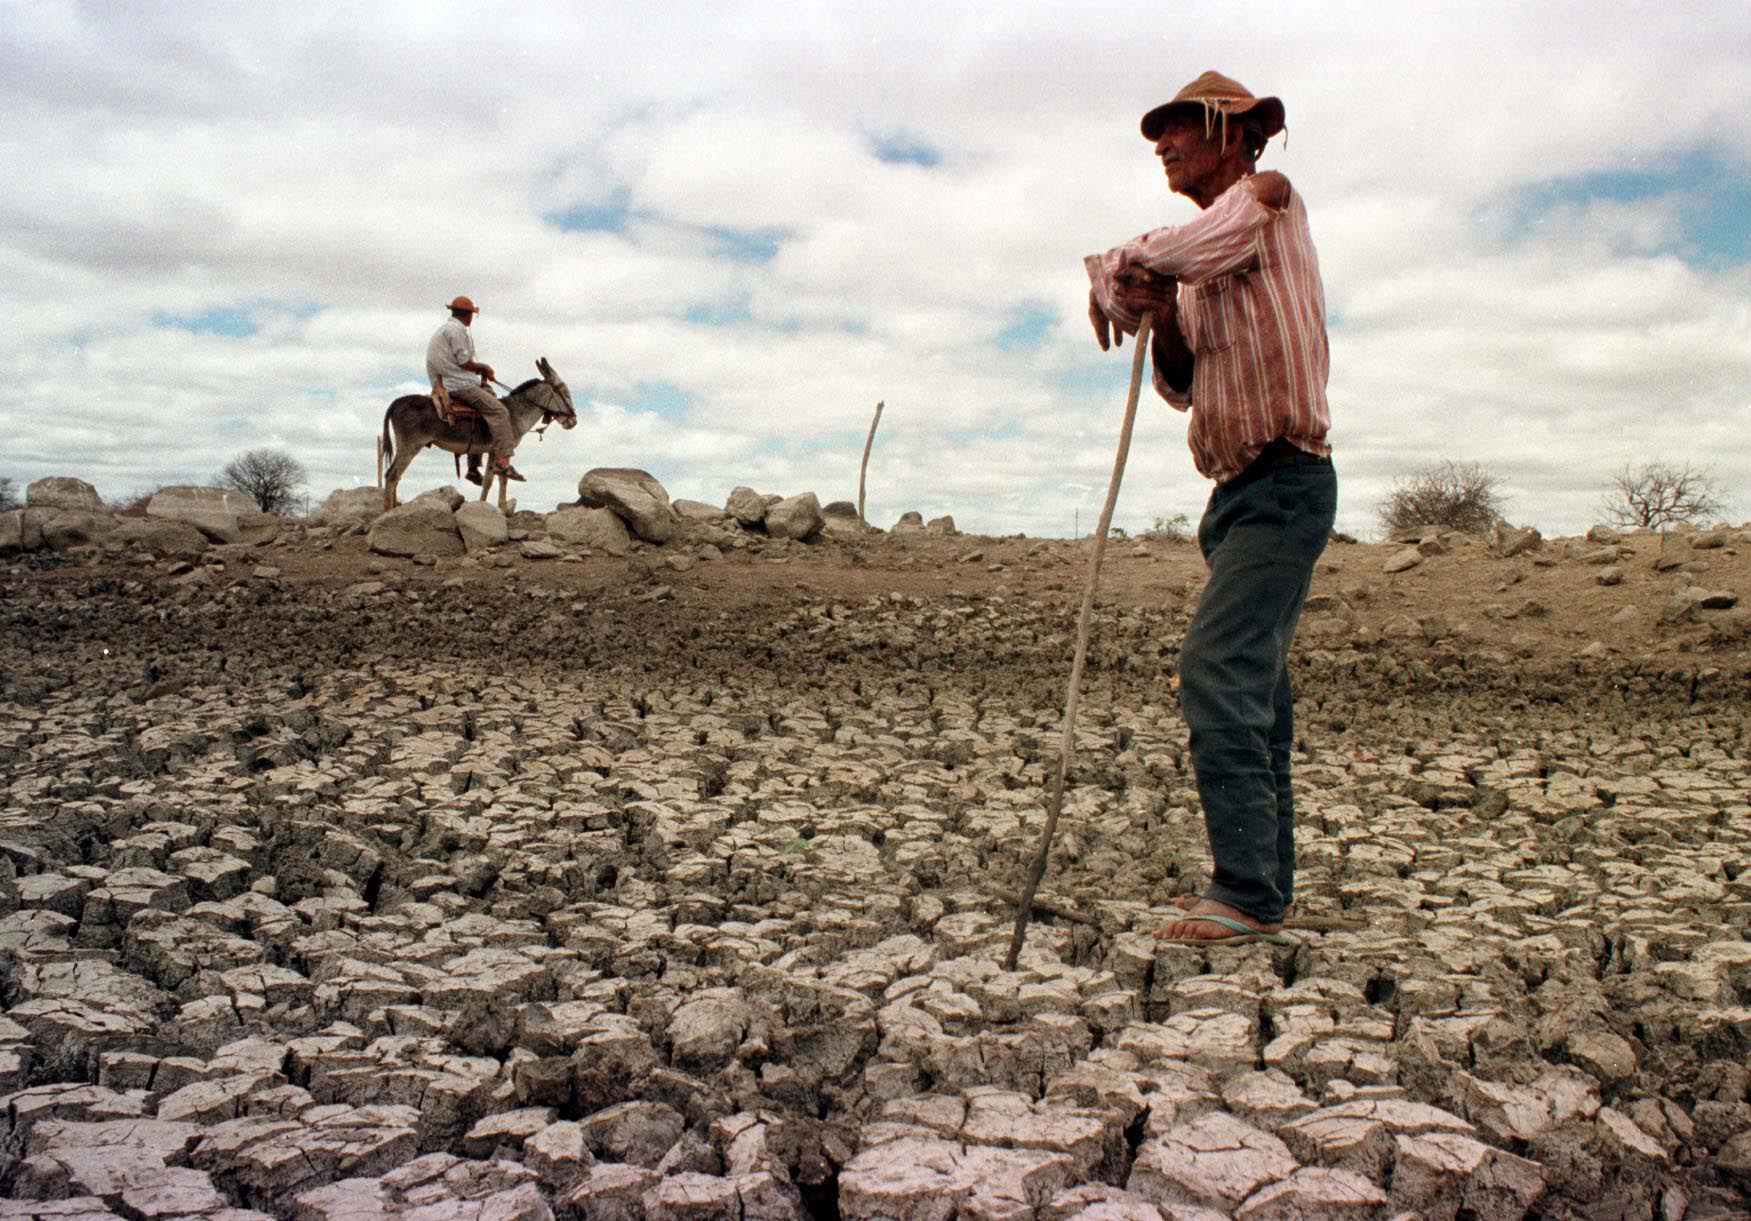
(1525, 897)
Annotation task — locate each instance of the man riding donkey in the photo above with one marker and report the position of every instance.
(459, 378)
(1239, 339)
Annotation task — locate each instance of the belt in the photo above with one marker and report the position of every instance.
(1281, 453)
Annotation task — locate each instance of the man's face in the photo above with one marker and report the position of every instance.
(1189, 156)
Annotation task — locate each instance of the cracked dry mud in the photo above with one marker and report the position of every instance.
(333, 887)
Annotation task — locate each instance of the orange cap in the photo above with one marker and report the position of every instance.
(463, 303)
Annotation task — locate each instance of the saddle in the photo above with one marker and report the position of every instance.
(450, 411)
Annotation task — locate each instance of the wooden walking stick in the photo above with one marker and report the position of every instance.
(1055, 804)
(864, 469)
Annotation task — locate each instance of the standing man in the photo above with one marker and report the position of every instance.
(450, 359)
(1239, 340)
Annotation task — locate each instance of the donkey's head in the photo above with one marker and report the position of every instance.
(557, 403)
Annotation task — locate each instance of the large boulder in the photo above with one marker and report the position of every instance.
(215, 512)
(635, 497)
(258, 529)
(11, 531)
(348, 507)
(595, 529)
(65, 493)
(481, 525)
(423, 526)
(840, 517)
(795, 517)
(911, 522)
(62, 529)
(747, 506)
(165, 538)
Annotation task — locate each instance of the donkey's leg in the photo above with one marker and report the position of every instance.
(404, 455)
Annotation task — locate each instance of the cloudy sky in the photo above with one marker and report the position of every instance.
(733, 227)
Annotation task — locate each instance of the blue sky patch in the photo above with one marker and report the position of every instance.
(229, 321)
(1026, 327)
(1714, 198)
(899, 148)
(664, 398)
(719, 313)
(606, 216)
(745, 245)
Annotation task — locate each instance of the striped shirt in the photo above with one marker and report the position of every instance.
(1252, 311)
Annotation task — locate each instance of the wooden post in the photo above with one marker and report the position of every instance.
(1055, 804)
(864, 469)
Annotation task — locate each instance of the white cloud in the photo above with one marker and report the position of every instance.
(366, 164)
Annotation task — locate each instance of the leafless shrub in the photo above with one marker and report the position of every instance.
(1655, 495)
(1457, 495)
(133, 504)
(270, 477)
(8, 494)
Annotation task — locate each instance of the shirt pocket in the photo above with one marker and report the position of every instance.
(1217, 301)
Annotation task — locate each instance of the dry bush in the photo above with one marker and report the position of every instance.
(133, 504)
(270, 477)
(1457, 495)
(1655, 495)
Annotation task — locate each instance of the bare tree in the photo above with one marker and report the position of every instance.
(1660, 494)
(270, 477)
(1458, 495)
(8, 493)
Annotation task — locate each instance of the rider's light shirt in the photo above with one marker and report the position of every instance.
(445, 354)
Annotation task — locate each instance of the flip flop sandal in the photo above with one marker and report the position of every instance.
(1244, 934)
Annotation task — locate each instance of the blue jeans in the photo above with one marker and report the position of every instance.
(1261, 535)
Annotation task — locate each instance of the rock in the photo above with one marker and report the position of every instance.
(481, 525)
(634, 496)
(910, 522)
(12, 532)
(215, 512)
(840, 517)
(1612, 574)
(1403, 560)
(747, 506)
(258, 529)
(347, 508)
(594, 529)
(540, 549)
(796, 517)
(698, 510)
(62, 530)
(941, 525)
(66, 494)
(159, 536)
(1516, 540)
(423, 526)
(1603, 534)
(1676, 550)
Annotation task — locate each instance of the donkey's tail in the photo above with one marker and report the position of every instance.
(387, 447)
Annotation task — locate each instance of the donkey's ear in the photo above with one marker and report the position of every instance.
(545, 368)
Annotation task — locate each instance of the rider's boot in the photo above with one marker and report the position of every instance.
(473, 475)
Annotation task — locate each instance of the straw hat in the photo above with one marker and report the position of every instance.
(1217, 95)
(463, 303)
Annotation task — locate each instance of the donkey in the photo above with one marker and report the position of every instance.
(417, 424)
